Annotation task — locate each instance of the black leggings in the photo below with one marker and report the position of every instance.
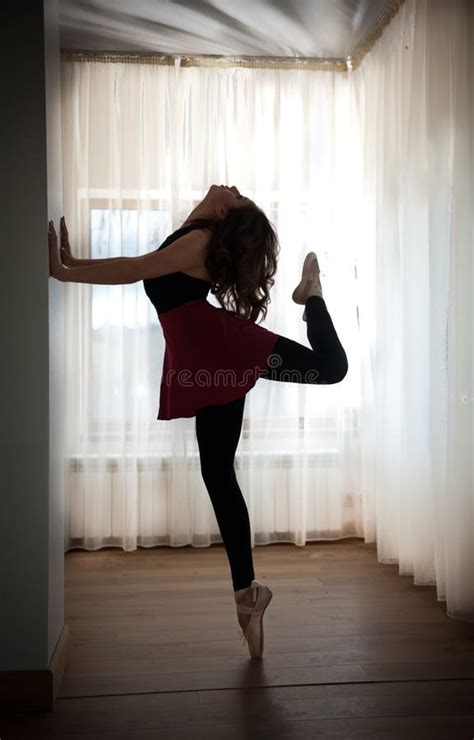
(218, 429)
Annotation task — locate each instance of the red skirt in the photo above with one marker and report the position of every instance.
(211, 357)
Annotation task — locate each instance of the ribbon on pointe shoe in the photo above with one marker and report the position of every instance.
(243, 609)
(242, 636)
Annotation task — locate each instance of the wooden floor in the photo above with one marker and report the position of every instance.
(352, 650)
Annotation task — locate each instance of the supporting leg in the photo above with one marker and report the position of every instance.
(218, 429)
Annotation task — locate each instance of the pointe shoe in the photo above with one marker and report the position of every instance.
(309, 283)
(253, 633)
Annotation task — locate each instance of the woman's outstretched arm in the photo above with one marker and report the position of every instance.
(185, 253)
(67, 257)
(78, 262)
(113, 271)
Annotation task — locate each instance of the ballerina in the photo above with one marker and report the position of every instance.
(214, 356)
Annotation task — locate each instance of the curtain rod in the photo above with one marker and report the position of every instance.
(207, 60)
(214, 60)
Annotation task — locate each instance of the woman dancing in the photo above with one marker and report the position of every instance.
(214, 356)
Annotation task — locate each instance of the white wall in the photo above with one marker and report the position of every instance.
(56, 332)
(31, 309)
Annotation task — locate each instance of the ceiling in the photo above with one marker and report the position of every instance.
(330, 29)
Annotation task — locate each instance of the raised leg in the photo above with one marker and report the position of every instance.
(326, 361)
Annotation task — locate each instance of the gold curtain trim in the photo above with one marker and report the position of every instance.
(333, 65)
(212, 60)
(363, 48)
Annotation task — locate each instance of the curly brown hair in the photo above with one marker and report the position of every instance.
(241, 260)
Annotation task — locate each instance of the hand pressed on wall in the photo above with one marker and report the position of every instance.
(65, 254)
(56, 267)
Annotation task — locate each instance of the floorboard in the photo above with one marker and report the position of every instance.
(352, 650)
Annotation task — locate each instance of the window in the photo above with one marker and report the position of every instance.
(125, 338)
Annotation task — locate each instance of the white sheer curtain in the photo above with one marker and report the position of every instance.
(371, 169)
(415, 110)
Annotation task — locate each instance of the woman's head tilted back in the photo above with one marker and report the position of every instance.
(242, 253)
